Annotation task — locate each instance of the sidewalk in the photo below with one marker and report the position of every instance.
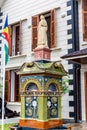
(77, 126)
(10, 120)
(82, 126)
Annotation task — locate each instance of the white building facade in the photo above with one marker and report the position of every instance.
(62, 20)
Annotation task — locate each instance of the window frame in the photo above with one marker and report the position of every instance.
(11, 30)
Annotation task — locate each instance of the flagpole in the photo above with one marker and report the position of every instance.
(3, 85)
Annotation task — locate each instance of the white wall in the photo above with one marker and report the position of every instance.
(83, 69)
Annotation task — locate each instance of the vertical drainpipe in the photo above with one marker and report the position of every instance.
(79, 116)
(76, 72)
(77, 93)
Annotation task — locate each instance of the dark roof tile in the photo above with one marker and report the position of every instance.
(76, 53)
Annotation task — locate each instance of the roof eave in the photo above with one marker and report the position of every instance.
(76, 59)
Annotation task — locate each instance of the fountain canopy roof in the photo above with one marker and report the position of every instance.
(42, 67)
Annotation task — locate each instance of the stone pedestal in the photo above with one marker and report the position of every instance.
(42, 53)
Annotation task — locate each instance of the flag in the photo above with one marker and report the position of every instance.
(6, 39)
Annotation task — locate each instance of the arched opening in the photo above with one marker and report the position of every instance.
(52, 87)
(31, 87)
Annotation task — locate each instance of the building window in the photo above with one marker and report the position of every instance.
(84, 13)
(12, 86)
(50, 18)
(14, 39)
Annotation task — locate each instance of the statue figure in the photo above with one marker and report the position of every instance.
(42, 33)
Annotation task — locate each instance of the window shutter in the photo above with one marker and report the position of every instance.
(10, 39)
(85, 26)
(84, 5)
(7, 85)
(17, 39)
(35, 21)
(84, 11)
(20, 37)
(52, 30)
(17, 84)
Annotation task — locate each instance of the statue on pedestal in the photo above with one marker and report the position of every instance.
(42, 33)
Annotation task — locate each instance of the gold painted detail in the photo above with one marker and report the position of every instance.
(54, 99)
(55, 82)
(41, 93)
(28, 100)
(53, 111)
(28, 81)
(28, 65)
(29, 111)
(59, 66)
